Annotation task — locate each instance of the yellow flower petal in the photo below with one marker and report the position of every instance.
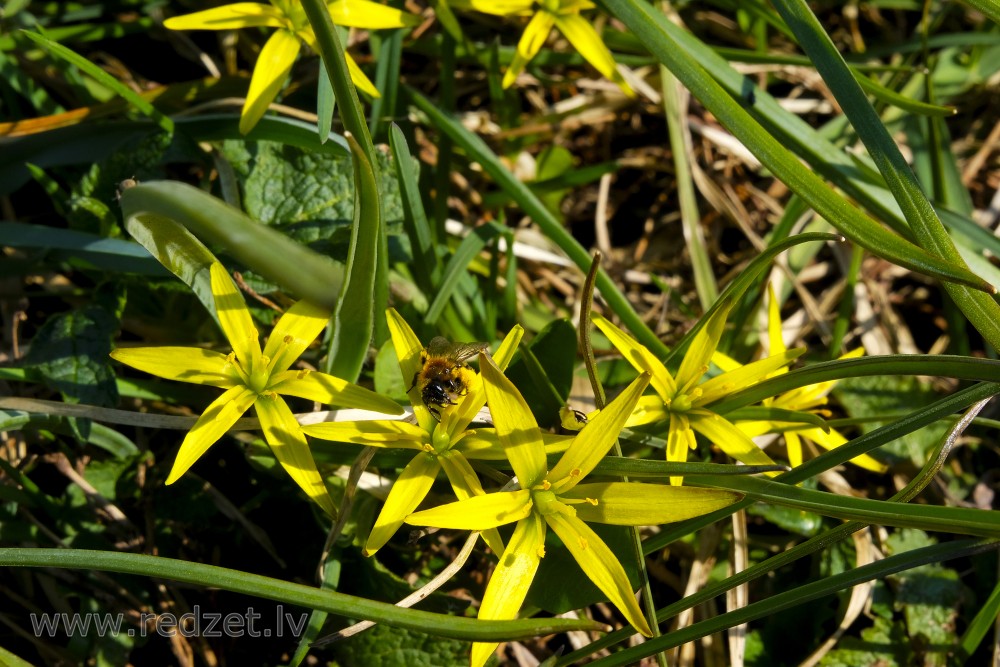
(680, 438)
(725, 362)
(600, 565)
(324, 388)
(185, 364)
(408, 348)
(293, 333)
(596, 438)
(835, 439)
(220, 415)
(641, 359)
(478, 513)
(269, 74)
(456, 421)
(637, 504)
(648, 410)
(587, 42)
(359, 78)
(744, 376)
(235, 318)
(511, 580)
(793, 445)
(369, 15)
(465, 483)
(375, 433)
(285, 437)
(408, 491)
(228, 17)
(529, 45)
(484, 445)
(515, 425)
(495, 7)
(729, 439)
(699, 354)
(775, 341)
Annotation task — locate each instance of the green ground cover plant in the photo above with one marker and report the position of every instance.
(518, 332)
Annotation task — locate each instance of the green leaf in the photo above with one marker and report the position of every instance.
(981, 309)
(454, 272)
(332, 52)
(155, 208)
(310, 194)
(426, 264)
(673, 48)
(383, 646)
(545, 380)
(960, 520)
(888, 396)
(478, 151)
(798, 596)
(70, 353)
(560, 585)
(90, 249)
(102, 77)
(354, 317)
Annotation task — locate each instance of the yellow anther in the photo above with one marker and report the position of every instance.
(546, 485)
(265, 360)
(540, 551)
(592, 501)
(301, 373)
(288, 339)
(575, 472)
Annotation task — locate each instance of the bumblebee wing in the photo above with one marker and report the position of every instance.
(439, 347)
(465, 351)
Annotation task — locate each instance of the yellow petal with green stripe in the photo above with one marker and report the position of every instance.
(185, 364)
(218, 418)
(600, 565)
(269, 74)
(286, 440)
(228, 17)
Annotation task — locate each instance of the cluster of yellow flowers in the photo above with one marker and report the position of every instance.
(544, 497)
(292, 30)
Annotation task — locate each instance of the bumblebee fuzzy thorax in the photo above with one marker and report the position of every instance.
(444, 375)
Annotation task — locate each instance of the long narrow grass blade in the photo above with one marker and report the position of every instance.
(102, 77)
(469, 248)
(980, 308)
(478, 151)
(660, 37)
(426, 264)
(801, 595)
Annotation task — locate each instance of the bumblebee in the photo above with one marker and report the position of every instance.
(444, 374)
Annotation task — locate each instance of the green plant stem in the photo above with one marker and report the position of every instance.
(290, 593)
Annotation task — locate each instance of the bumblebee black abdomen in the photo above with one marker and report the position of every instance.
(444, 376)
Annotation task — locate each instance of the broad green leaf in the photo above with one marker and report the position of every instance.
(70, 352)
